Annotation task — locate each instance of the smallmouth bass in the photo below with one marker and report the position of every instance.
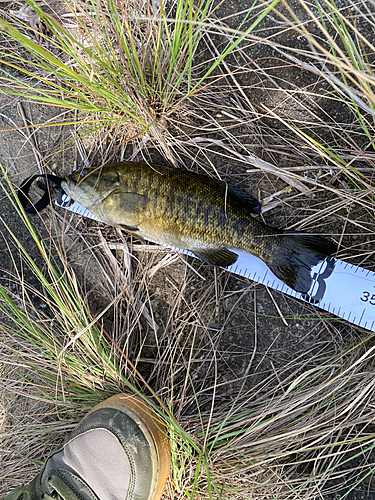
(195, 212)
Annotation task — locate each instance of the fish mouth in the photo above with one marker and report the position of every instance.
(65, 187)
(70, 187)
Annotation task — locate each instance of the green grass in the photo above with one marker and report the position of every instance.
(125, 71)
(340, 53)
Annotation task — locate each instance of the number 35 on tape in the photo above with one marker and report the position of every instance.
(349, 292)
(368, 297)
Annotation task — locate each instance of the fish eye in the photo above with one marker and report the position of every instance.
(110, 178)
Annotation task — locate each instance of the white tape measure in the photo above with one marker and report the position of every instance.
(340, 288)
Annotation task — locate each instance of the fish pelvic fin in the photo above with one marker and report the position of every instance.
(216, 256)
(129, 229)
(295, 257)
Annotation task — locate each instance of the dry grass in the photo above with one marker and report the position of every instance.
(260, 400)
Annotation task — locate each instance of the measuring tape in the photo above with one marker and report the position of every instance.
(340, 288)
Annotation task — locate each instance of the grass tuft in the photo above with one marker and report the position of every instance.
(125, 68)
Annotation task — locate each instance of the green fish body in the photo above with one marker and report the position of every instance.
(195, 212)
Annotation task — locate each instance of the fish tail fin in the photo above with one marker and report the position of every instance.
(296, 255)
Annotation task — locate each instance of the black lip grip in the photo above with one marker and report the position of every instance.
(45, 200)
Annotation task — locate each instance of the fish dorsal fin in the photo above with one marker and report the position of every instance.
(216, 256)
(244, 199)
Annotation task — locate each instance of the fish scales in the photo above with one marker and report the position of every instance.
(195, 212)
(182, 204)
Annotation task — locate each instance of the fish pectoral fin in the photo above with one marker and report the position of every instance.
(128, 201)
(217, 256)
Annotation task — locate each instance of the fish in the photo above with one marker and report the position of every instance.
(209, 217)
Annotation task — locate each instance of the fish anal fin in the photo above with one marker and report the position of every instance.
(217, 256)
